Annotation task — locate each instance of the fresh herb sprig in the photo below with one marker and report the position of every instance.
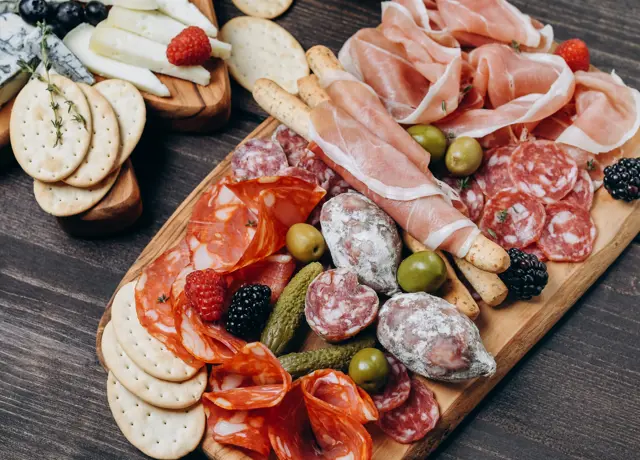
(52, 88)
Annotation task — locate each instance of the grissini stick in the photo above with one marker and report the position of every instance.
(294, 113)
(311, 92)
(489, 286)
(453, 290)
(484, 253)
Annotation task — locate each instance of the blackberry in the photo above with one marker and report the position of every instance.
(622, 180)
(249, 311)
(526, 277)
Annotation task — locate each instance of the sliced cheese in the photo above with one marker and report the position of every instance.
(135, 4)
(187, 13)
(158, 27)
(78, 43)
(133, 49)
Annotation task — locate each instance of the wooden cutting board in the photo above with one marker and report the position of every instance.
(508, 332)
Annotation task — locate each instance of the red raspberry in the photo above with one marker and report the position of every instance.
(189, 47)
(576, 53)
(206, 291)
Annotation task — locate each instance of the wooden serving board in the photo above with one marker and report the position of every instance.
(508, 333)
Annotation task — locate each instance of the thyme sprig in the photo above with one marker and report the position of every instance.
(52, 88)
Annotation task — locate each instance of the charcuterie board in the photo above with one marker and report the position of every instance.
(508, 333)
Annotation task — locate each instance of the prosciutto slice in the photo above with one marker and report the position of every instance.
(357, 138)
(519, 88)
(417, 78)
(480, 22)
(607, 113)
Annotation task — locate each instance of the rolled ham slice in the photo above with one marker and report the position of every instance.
(519, 88)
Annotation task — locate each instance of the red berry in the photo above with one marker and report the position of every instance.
(576, 53)
(206, 291)
(189, 47)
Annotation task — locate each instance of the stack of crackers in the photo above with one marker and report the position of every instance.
(75, 164)
(154, 396)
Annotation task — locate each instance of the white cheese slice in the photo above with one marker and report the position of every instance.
(78, 42)
(187, 13)
(134, 4)
(158, 27)
(133, 49)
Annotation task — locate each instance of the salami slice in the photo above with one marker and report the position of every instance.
(535, 250)
(494, 176)
(397, 389)
(569, 233)
(153, 299)
(415, 418)
(327, 178)
(543, 170)
(240, 428)
(337, 307)
(296, 171)
(234, 225)
(252, 379)
(293, 145)
(513, 219)
(582, 193)
(321, 417)
(206, 341)
(470, 193)
(275, 271)
(258, 158)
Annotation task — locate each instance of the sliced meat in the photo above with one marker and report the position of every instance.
(246, 429)
(513, 219)
(582, 193)
(470, 193)
(494, 176)
(296, 171)
(535, 250)
(275, 271)
(397, 389)
(337, 307)
(543, 170)
(258, 158)
(569, 233)
(415, 418)
(293, 145)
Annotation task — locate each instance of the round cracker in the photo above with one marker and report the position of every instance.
(60, 199)
(144, 349)
(128, 104)
(263, 49)
(159, 433)
(267, 9)
(33, 136)
(160, 393)
(105, 142)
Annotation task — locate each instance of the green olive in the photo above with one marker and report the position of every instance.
(422, 271)
(463, 157)
(305, 243)
(369, 369)
(431, 139)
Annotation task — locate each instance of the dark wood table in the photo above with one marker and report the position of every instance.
(576, 395)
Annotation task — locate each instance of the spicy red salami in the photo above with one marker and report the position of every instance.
(397, 389)
(569, 233)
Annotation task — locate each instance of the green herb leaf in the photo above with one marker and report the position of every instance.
(444, 106)
(163, 298)
(466, 89)
(451, 135)
(492, 233)
(502, 216)
(516, 46)
(463, 183)
(591, 165)
(251, 223)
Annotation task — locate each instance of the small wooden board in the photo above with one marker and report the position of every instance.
(508, 333)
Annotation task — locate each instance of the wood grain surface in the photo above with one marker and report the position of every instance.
(574, 396)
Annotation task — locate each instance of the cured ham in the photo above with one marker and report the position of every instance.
(607, 113)
(518, 88)
(417, 78)
(480, 22)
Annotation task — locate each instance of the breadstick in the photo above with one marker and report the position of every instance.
(453, 290)
(311, 92)
(488, 285)
(284, 106)
(321, 59)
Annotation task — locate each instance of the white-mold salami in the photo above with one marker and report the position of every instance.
(432, 338)
(415, 418)
(569, 233)
(293, 145)
(513, 219)
(258, 158)
(337, 307)
(582, 193)
(543, 170)
(363, 237)
(397, 388)
(494, 176)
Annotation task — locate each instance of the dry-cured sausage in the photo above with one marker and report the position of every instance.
(569, 233)
(258, 158)
(397, 388)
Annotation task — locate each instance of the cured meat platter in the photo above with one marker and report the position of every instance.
(508, 333)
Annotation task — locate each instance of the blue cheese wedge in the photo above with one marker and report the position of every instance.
(8, 6)
(13, 33)
(12, 78)
(187, 13)
(78, 42)
(133, 49)
(13, 50)
(133, 4)
(157, 27)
